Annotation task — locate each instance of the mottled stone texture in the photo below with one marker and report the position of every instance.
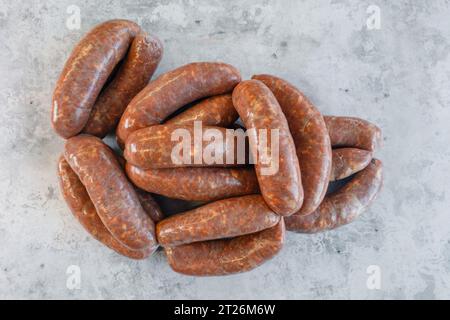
(396, 77)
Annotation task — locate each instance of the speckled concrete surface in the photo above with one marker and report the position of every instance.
(397, 77)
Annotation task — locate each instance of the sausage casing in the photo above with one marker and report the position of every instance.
(353, 132)
(348, 161)
(210, 184)
(163, 146)
(134, 74)
(343, 206)
(221, 219)
(213, 111)
(195, 184)
(150, 206)
(310, 136)
(112, 194)
(227, 256)
(83, 209)
(260, 111)
(86, 72)
(174, 89)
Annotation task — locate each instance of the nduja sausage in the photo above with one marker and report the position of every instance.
(311, 139)
(134, 74)
(174, 89)
(113, 195)
(83, 209)
(260, 111)
(86, 72)
(343, 206)
(163, 146)
(217, 220)
(150, 206)
(214, 111)
(348, 161)
(227, 256)
(210, 184)
(353, 132)
(195, 184)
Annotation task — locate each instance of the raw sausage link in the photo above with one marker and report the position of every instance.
(150, 206)
(214, 111)
(221, 219)
(310, 136)
(174, 89)
(348, 161)
(109, 189)
(259, 109)
(353, 132)
(83, 209)
(222, 257)
(140, 63)
(195, 184)
(152, 148)
(86, 72)
(345, 205)
(210, 184)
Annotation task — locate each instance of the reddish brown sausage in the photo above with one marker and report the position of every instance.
(214, 111)
(217, 220)
(150, 206)
(113, 195)
(353, 132)
(260, 111)
(344, 206)
(195, 184)
(310, 136)
(210, 184)
(160, 147)
(222, 257)
(348, 161)
(173, 90)
(134, 74)
(83, 209)
(86, 72)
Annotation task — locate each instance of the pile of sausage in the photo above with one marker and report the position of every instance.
(105, 86)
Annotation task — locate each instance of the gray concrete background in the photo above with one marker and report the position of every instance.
(397, 77)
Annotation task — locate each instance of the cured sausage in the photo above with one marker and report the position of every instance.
(279, 177)
(214, 111)
(195, 184)
(86, 72)
(110, 191)
(134, 74)
(222, 257)
(343, 206)
(174, 89)
(210, 184)
(310, 136)
(164, 146)
(221, 219)
(150, 206)
(83, 209)
(348, 161)
(353, 132)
